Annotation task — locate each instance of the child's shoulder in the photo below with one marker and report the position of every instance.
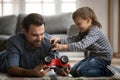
(95, 28)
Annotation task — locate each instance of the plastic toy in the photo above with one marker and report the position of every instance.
(57, 62)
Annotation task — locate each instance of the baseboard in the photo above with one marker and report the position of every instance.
(116, 55)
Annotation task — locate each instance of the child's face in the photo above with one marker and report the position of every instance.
(83, 24)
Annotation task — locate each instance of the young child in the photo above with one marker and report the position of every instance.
(91, 39)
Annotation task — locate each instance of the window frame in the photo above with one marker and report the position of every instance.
(21, 6)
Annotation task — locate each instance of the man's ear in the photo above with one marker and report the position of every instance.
(24, 31)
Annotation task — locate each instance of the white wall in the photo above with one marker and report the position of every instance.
(100, 7)
(114, 24)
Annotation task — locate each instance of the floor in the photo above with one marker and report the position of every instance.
(73, 59)
(116, 61)
(55, 77)
(77, 57)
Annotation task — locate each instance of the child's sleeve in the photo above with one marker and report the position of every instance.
(88, 40)
(70, 39)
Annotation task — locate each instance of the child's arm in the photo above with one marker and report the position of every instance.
(88, 40)
(82, 44)
(67, 40)
(71, 39)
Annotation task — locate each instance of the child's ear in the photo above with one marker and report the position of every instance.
(89, 21)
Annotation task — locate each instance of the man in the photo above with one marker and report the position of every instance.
(25, 52)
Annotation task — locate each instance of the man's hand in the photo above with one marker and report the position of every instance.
(63, 71)
(41, 70)
(38, 71)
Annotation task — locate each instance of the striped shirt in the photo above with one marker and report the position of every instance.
(93, 40)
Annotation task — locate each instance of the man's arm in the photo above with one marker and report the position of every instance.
(17, 71)
(38, 71)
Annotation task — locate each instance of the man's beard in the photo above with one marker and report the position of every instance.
(36, 43)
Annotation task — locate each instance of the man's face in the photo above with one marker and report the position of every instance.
(35, 35)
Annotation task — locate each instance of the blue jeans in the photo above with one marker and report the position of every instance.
(3, 61)
(93, 66)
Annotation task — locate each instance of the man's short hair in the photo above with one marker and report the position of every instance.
(33, 18)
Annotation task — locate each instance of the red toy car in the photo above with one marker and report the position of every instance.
(57, 62)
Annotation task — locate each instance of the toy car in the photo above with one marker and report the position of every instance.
(57, 62)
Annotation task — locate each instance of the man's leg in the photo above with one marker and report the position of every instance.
(3, 61)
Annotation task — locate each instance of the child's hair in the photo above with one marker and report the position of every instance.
(86, 12)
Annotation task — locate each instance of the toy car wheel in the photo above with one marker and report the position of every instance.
(64, 59)
(48, 60)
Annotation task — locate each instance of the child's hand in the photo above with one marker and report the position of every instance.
(60, 47)
(53, 41)
(56, 45)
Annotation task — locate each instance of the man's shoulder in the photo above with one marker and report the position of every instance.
(16, 36)
(46, 39)
(16, 42)
(47, 36)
